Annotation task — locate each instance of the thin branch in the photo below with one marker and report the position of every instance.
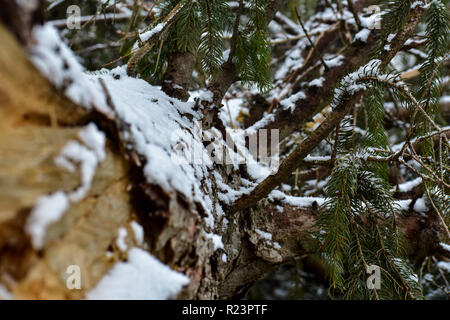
(235, 36)
(310, 41)
(291, 162)
(444, 225)
(132, 63)
(355, 14)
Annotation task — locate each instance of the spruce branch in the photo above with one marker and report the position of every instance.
(153, 39)
(234, 37)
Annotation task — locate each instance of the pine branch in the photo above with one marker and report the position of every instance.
(159, 30)
(228, 75)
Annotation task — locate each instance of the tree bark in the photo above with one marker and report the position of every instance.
(178, 77)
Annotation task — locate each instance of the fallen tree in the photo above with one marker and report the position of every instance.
(88, 176)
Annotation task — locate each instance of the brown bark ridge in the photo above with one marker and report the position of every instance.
(178, 76)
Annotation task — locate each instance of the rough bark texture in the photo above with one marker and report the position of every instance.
(178, 77)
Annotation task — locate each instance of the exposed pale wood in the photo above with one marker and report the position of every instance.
(25, 96)
(34, 128)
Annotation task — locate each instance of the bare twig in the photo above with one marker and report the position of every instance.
(355, 14)
(310, 41)
(444, 225)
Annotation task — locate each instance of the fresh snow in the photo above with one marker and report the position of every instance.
(300, 202)
(145, 36)
(417, 4)
(289, 103)
(138, 232)
(168, 140)
(206, 96)
(48, 209)
(317, 82)
(156, 126)
(87, 155)
(257, 171)
(94, 139)
(5, 294)
(235, 107)
(335, 62)
(349, 82)
(401, 265)
(419, 205)
(408, 186)
(142, 277)
(150, 33)
(363, 35)
(58, 63)
(228, 195)
(216, 240)
(264, 235)
(445, 246)
(159, 129)
(391, 37)
(310, 158)
(265, 120)
(444, 265)
(120, 242)
(75, 152)
(293, 58)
